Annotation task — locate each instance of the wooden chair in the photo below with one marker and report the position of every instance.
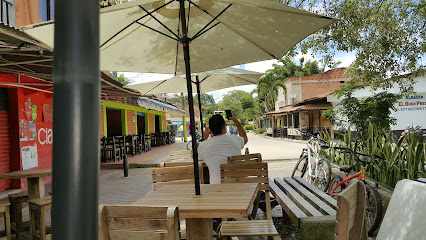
(113, 151)
(138, 144)
(130, 145)
(138, 222)
(350, 212)
(251, 172)
(38, 208)
(148, 143)
(255, 157)
(174, 175)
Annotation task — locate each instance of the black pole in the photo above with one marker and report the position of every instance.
(76, 97)
(185, 44)
(197, 82)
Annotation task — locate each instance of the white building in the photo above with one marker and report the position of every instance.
(410, 110)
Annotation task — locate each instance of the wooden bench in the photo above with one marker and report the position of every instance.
(305, 205)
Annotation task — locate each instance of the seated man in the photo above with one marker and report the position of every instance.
(216, 150)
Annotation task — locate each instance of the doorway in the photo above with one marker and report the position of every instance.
(141, 123)
(157, 123)
(114, 124)
(4, 137)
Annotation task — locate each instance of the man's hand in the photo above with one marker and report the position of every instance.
(206, 133)
(233, 118)
(240, 128)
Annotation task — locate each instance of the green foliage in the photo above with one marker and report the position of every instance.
(267, 88)
(360, 112)
(248, 127)
(107, 3)
(403, 158)
(207, 103)
(387, 37)
(241, 103)
(260, 130)
(120, 78)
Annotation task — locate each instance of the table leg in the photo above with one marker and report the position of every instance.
(199, 228)
(36, 187)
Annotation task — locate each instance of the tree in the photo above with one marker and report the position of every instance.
(267, 88)
(388, 37)
(107, 3)
(120, 78)
(359, 113)
(241, 103)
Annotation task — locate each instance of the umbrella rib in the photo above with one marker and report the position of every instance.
(205, 78)
(162, 24)
(155, 30)
(201, 30)
(205, 31)
(242, 78)
(270, 54)
(156, 86)
(115, 35)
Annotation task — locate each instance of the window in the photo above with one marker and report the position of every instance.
(46, 9)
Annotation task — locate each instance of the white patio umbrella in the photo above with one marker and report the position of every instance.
(209, 81)
(149, 36)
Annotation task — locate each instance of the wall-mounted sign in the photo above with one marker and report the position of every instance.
(29, 157)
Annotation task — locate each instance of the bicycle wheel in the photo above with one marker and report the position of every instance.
(333, 183)
(321, 179)
(189, 145)
(301, 166)
(373, 209)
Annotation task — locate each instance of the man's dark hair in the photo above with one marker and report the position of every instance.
(216, 124)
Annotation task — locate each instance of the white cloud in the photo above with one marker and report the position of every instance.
(260, 66)
(218, 94)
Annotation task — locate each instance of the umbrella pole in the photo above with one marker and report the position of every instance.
(199, 103)
(76, 96)
(185, 44)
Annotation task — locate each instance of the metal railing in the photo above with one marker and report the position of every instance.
(5, 5)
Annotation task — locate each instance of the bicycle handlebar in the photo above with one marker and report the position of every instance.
(356, 154)
(313, 137)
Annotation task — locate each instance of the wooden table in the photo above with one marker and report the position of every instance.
(35, 179)
(215, 201)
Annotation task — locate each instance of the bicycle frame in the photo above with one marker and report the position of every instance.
(312, 153)
(360, 175)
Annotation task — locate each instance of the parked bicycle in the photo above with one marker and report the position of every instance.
(198, 139)
(311, 166)
(374, 207)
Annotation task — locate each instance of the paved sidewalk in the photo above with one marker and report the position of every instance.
(114, 188)
(275, 148)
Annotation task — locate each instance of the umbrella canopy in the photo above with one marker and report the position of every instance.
(244, 31)
(209, 81)
(140, 36)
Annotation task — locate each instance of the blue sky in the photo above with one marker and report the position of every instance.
(345, 58)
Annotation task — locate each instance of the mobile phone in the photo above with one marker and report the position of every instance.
(228, 114)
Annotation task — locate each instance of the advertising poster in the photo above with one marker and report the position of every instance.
(29, 157)
(32, 130)
(23, 130)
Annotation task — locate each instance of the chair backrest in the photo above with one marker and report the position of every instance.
(255, 157)
(350, 212)
(251, 172)
(138, 222)
(174, 175)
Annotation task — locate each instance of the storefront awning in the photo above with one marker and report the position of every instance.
(307, 107)
(159, 106)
